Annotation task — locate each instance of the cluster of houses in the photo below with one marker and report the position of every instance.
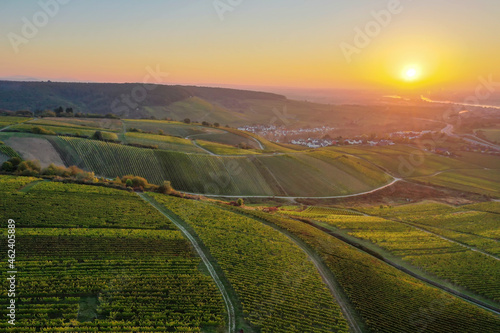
(318, 143)
(314, 143)
(411, 135)
(274, 133)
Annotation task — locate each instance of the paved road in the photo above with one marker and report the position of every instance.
(448, 130)
(395, 180)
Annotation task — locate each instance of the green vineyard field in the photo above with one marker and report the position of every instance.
(101, 266)
(268, 272)
(387, 299)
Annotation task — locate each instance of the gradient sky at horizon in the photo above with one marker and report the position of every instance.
(290, 43)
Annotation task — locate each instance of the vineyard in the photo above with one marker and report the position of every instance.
(317, 211)
(102, 266)
(267, 270)
(228, 138)
(300, 174)
(447, 260)
(163, 142)
(469, 225)
(169, 127)
(7, 121)
(113, 125)
(387, 299)
(50, 204)
(28, 127)
(7, 151)
(112, 160)
(397, 159)
(225, 149)
(492, 207)
(475, 180)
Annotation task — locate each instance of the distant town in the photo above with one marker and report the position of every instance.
(318, 137)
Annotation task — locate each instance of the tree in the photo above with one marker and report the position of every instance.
(129, 183)
(240, 202)
(59, 111)
(8, 167)
(11, 165)
(205, 123)
(98, 136)
(187, 121)
(15, 161)
(216, 124)
(48, 113)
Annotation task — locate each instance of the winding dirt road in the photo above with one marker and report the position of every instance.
(225, 295)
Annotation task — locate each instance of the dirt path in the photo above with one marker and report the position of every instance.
(123, 134)
(355, 322)
(208, 151)
(213, 273)
(407, 269)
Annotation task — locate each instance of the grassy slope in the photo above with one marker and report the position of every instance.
(168, 127)
(492, 135)
(7, 121)
(299, 174)
(163, 142)
(111, 125)
(405, 161)
(224, 149)
(480, 181)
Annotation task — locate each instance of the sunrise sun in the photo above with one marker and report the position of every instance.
(410, 73)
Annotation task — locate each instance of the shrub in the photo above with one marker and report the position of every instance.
(42, 131)
(29, 168)
(54, 170)
(240, 202)
(8, 167)
(136, 181)
(165, 188)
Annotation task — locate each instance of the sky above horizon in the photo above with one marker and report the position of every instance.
(288, 43)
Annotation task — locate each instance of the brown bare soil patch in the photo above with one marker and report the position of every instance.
(36, 149)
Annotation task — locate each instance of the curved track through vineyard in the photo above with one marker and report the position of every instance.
(227, 300)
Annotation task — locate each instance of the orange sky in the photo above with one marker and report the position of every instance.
(291, 43)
